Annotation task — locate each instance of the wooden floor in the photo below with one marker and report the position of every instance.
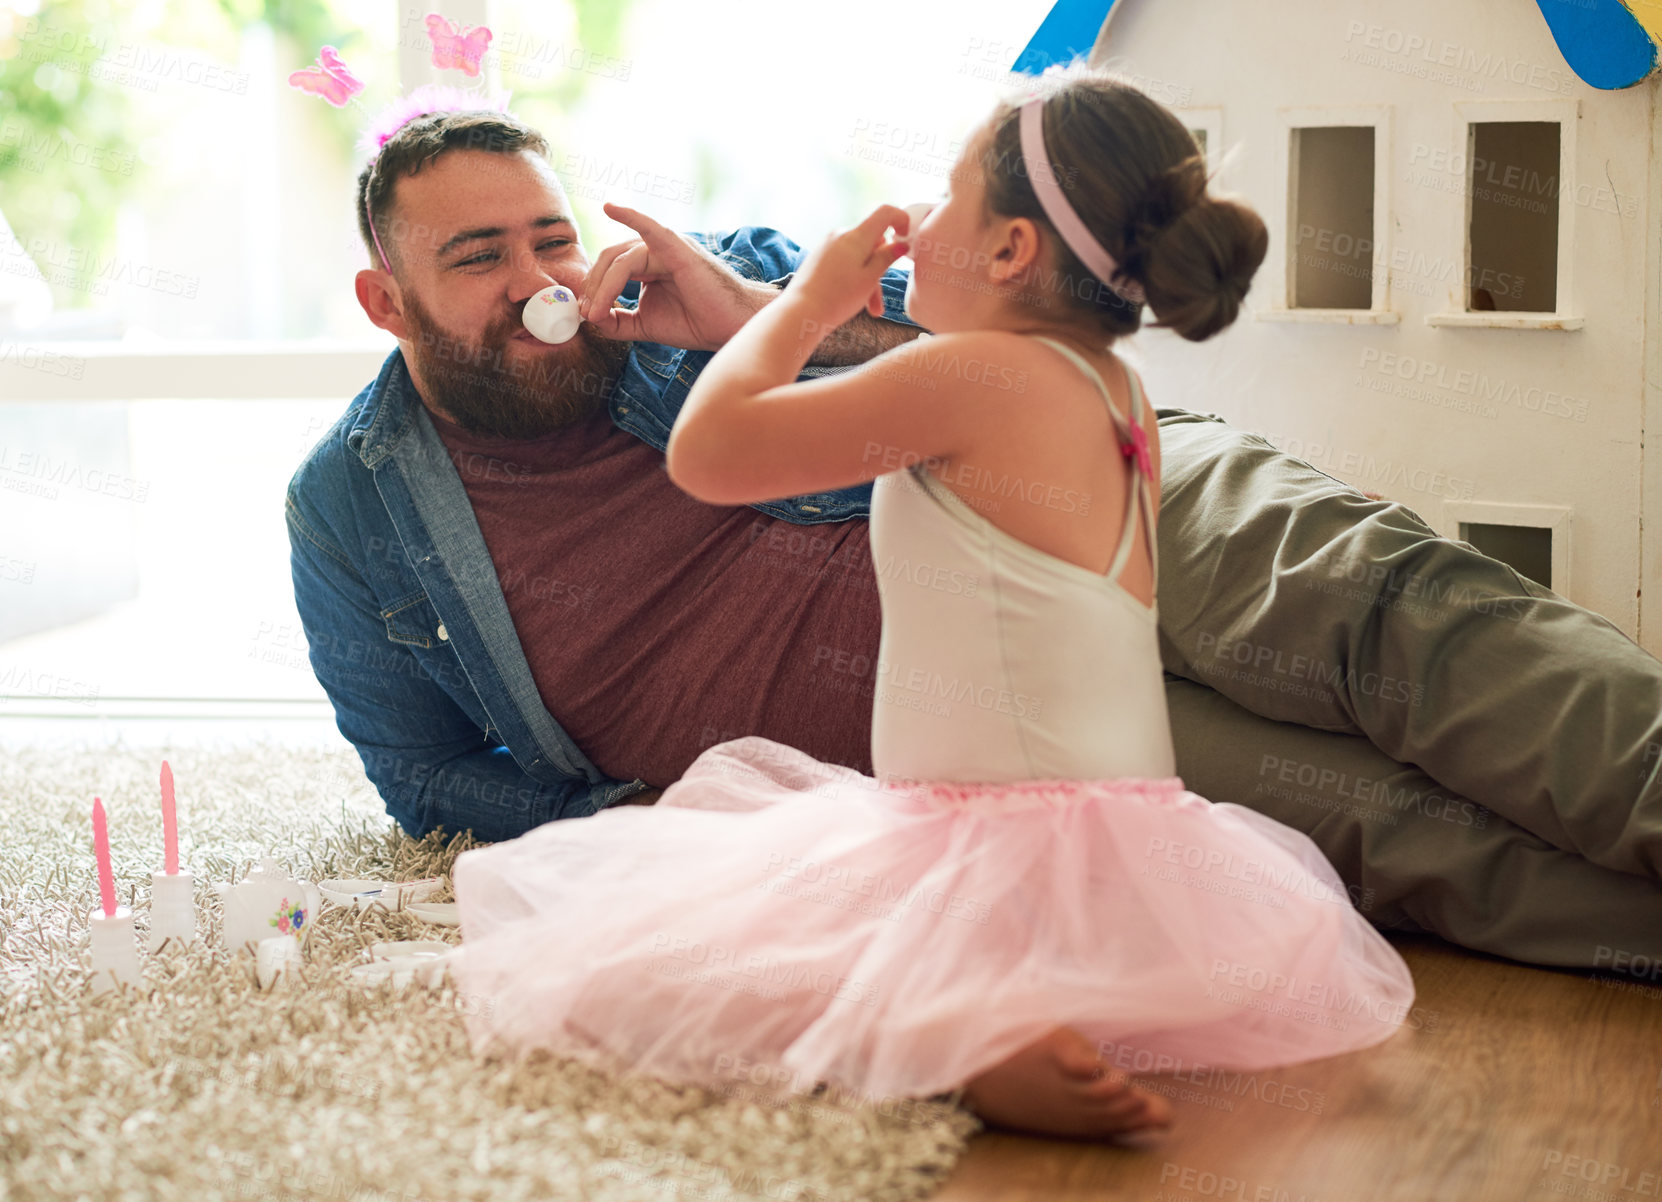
(1520, 1083)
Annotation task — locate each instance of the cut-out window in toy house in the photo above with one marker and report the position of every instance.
(1513, 238)
(1199, 136)
(1332, 169)
(1527, 549)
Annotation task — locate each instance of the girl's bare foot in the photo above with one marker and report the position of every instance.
(1057, 1086)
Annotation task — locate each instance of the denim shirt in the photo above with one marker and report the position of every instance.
(407, 628)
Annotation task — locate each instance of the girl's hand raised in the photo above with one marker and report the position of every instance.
(841, 277)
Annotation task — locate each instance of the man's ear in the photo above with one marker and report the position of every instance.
(382, 302)
(1015, 251)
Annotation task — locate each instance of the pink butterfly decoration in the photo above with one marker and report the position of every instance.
(453, 48)
(330, 79)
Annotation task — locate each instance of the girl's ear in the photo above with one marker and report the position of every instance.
(1015, 251)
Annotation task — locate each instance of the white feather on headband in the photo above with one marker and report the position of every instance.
(429, 98)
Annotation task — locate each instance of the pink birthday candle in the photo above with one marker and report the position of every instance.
(170, 823)
(101, 849)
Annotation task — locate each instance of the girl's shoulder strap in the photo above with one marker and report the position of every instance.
(1095, 377)
(1133, 441)
(1136, 392)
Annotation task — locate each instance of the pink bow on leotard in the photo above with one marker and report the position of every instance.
(1138, 446)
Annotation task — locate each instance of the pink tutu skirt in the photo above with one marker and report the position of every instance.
(776, 920)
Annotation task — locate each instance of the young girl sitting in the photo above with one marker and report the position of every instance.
(1024, 892)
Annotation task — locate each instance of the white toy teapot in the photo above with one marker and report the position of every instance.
(267, 904)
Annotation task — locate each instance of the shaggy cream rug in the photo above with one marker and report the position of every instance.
(201, 1086)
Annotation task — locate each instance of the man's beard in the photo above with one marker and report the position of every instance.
(486, 388)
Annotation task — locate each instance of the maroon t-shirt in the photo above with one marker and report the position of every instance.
(657, 625)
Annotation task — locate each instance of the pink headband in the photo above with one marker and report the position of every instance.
(386, 266)
(1042, 176)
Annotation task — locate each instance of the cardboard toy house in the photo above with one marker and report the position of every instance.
(1459, 310)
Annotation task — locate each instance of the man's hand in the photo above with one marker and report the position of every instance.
(689, 298)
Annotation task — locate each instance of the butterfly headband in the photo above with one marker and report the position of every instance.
(453, 47)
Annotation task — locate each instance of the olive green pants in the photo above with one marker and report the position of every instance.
(1476, 755)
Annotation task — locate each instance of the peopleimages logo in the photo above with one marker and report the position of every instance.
(1460, 66)
(68, 264)
(885, 892)
(1449, 169)
(1410, 268)
(1382, 800)
(915, 687)
(1434, 589)
(1478, 385)
(35, 150)
(30, 471)
(1260, 658)
(39, 358)
(1378, 473)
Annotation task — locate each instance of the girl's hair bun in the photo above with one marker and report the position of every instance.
(1194, 253)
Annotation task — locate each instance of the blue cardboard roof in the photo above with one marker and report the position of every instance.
(1601, 40)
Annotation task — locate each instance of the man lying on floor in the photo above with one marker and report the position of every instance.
(519, 618)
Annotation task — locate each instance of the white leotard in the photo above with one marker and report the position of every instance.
(999, 661)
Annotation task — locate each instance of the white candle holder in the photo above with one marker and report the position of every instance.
(115, 958)
(172, 909)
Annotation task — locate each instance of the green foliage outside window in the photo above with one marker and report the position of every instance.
(76, 117)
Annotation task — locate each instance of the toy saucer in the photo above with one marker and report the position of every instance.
(419, 948)
(421, 961)
(393, 895)
(400, 970)
(444, 914)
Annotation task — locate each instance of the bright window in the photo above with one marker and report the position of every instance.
(167, 188)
